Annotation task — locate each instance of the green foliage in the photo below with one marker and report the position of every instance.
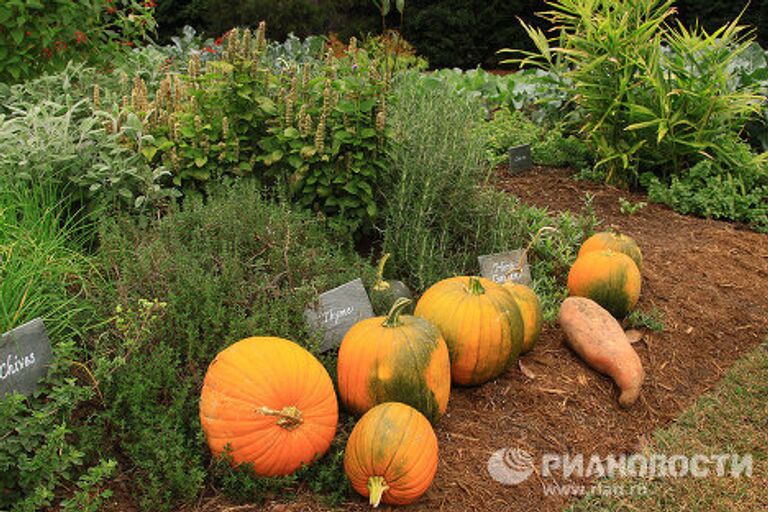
(53, 132)
(440, 213)
(314, 134)
(627, 207)
(37, 452)
(293, 49)
(553, 255)
(541, 94)
(750, 69)
(222, 270)
(548, 146)
(42, 272)
(90, 497)
(709, 191)
(37, 36)
(653, 319)
(652, 96)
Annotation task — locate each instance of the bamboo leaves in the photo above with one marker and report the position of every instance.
(654, 95)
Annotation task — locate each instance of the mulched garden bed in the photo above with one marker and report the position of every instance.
(710, 281)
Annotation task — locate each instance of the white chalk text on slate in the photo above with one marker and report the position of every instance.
(505, 266)
(25, 353)
(338, 310)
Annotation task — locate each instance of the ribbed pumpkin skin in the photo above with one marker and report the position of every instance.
(274, 373)
(396, 442)
(609, 278)
(408, 363)
(615, 242)
(484, 332)
(530, 310)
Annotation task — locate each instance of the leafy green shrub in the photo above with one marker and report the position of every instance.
(53, 133)
(440, 213)
(542, 95)
(37, 36)
(709, 191)
(222, 270)
(548, 146)
(314, 134)
(38, 453)
(652, 96)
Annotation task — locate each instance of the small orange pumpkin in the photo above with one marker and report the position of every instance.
(391, 455)
(480, 322)
(615, 242)
(609, 278)
(530, 310)
(397, 358)
(271, 402)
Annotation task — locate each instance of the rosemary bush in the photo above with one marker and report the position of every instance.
(441, 208)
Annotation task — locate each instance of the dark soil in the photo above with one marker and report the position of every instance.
(710, 281)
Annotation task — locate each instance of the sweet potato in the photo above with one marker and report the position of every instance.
(600, 341)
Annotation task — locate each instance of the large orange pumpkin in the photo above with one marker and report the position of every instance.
(391, 454)
(530, 310)
(397, 358)
(615, 242)
(609, 278)
(480, 322)
(271, 402)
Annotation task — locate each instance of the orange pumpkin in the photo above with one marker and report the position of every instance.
(480, 322)
(530, 310)
(615, 242)
(391, 454)
(271, 402)
(397, 358)
(609, 278)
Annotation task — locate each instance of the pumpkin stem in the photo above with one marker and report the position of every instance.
(393, 317)
(475, 287)
(289, 418)
(376, 489)
(380, 285)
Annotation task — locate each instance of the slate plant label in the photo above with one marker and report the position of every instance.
(25, 353)
(337, 310)
(503, 266)
(520, 158)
